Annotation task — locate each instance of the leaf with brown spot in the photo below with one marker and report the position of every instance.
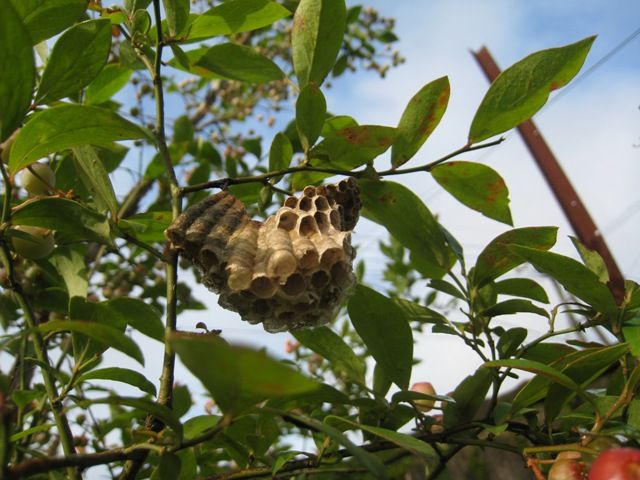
(408, 219)
(419, 119)
(522, 89)
(318, 28)
(477, 186)
(346, 149)
(497, 259)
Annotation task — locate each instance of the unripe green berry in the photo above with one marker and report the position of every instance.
(39, 245)
(37, 179)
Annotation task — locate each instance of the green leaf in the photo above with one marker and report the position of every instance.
(30, 431)
(147, 226)
(105, 334)
(71, 220)
(45, 18)
(381, 383)
(239, 62)
(140, 25)
(281, 460)
(318, 28)
(354, 146)
(139, 315)
(236, 16)
(70, 264)
(368, 460)
(199, 424)
(346, 149)
(555, 355)
(522, 287)
(385, 331)
(18, 70)
(391, 204)
(188, 464)
(548, 352)
(311, 109)
(95, 178)
(588, 366)
(177, 13)
(118, 374)
(67, 126)
(338, 122)
(22, 398)
(109, 81)
(522, 89)
(242, 377)
(510, 307)
(415, 312)
(572, 275)
(420, 118)
(477, 186)
(280, 153)
(183, 130)
(402, 440)
(169, 467)
(53, 299)
(446, 287)
(539, 369)
(632, 336)
(133, 5)
(511, 340)
(180, 58)
(469, 397)
(496, 259)
(76, 59)
(592, 260)
(144, 405)
(330, 345)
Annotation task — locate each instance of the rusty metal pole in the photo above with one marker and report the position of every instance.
(573, 208)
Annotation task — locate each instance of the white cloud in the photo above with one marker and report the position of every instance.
(591, 130)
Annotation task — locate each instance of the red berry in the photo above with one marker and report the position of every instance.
(616, 464)
(426, 388)
(568, 466)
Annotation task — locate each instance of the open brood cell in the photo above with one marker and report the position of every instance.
(291, 271)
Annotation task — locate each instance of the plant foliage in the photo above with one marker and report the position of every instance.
(104, 100)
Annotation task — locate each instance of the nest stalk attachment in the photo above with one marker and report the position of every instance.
(289, 272)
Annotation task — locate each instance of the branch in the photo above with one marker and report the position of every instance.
(42, 465)
(311, 465)
(165, 393)
(39, 346)
(225, 182)
(134, 453)
(46, 464)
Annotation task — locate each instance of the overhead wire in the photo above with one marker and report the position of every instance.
(598, 64)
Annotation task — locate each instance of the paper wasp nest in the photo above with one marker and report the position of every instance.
(290, 271)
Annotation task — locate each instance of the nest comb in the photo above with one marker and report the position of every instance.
(289, 272)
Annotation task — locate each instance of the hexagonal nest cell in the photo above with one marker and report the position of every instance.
(291, 271)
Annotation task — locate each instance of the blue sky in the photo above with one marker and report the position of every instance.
(591, 129)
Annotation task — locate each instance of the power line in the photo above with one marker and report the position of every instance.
(595, 66)
(623, 218)
(604, 59)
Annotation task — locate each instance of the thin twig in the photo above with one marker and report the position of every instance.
(165, 392)
(145, 246)
(225, 182)
(40, 349)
